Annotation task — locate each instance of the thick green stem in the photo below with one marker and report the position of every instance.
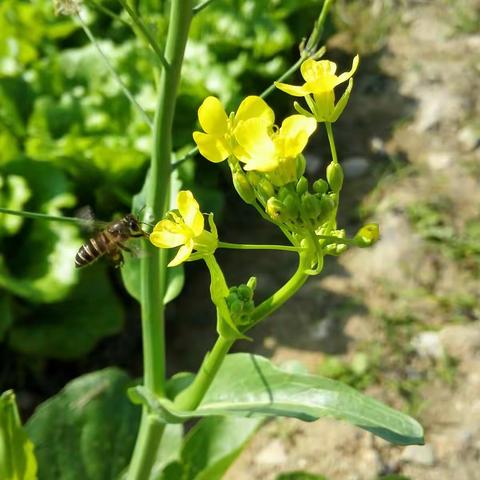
(154, 262)
(190, 398)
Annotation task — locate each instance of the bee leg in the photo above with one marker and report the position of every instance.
(117, 259)
(126, 249)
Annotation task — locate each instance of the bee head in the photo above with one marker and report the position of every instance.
(132, 223)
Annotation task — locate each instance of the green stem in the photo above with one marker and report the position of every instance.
(331, 141)
(43, 216)
(154, 263)
(272, 303)
(145, 32)
(191, 397)
(314, 40)
(198, 8)
(247, 246)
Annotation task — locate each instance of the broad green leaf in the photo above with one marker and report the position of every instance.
(210, 448)
(87, 431)
(14, 193)
(38, 263)
(17, 459)
(250, 385)
(71, 328)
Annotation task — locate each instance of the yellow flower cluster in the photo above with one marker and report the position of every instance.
(249, 135)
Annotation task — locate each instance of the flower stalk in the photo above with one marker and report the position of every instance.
(154, 263)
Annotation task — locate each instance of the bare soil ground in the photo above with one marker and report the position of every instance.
(408, 307)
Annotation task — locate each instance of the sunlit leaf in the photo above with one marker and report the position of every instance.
(249, 385)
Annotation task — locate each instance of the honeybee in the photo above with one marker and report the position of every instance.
(110, 242)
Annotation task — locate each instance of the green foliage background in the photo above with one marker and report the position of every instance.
(69, 138)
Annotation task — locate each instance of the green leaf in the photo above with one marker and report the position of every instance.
(37, 264)
(300, 476)
(210, 448)
(87, 431)
(14, 193)
(71, 328)
(250, 385)
(17, 460)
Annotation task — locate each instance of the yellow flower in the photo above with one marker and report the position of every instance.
(320, 81)
(185, 229)
(265, 150)
(218, 142)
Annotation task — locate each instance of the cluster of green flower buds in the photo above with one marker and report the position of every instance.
(240, 302)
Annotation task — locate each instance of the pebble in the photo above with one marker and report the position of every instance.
(419, 455)
(273, 454)
(428, 345)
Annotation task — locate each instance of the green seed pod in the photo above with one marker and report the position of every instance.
(274, 208)
(301, 165)
(320, 186)
(243, 187)
(302, 185)
(335, 176)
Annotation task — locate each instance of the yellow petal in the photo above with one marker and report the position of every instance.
(295, 132)
(212, 116)
(252, 107)
(265, 164)
(293, 90)
(345, 76)
(252, 135)
(183, 253)
(313, 70)
(212, 147)
(190, 211)
(167, 234)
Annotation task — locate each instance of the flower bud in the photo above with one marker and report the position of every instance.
(282, 193)
(252, 283)
(335, 176)
(245, 293)
(302, 185)
(320, 186)
(243, 187)
(327, 204)
(236, 308)
(274, 208)
(292, 206)
(311, 206)
(266, 188)
(367, 235)
(301, 165)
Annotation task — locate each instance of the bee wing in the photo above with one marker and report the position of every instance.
(87, 220)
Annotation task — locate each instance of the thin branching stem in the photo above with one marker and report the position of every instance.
(112, 70)
(145, 32)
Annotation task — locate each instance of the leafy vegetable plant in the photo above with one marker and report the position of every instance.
(87, 430)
